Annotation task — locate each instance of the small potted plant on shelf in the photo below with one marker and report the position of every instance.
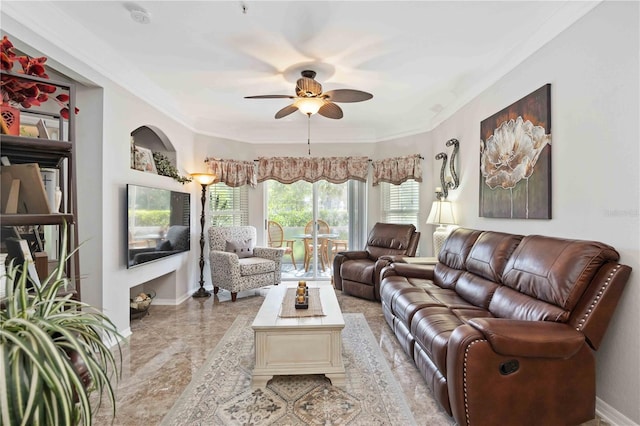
(165, 168)
(17, 91)
(52, 352)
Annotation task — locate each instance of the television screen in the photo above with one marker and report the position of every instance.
(158, 223)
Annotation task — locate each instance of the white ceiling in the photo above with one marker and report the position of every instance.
(421, 60)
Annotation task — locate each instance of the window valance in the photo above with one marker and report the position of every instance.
(397, 170)
(233, 172)
(331, 169)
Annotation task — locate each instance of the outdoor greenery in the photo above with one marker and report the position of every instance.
(150, 199)
(292, 218)
(290, 205)
(52, 354)
(152, 218)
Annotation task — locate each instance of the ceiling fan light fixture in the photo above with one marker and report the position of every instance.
(309, 106)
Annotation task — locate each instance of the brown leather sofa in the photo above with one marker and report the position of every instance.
(504, 328)
(358, 272)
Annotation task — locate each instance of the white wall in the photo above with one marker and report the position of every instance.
(593, 71)
(108, 115)
(179, 269)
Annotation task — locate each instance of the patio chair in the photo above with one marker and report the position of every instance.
(323, 247)
(275, 234)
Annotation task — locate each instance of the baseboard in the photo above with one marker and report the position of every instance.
(172, 302)
(179, 300)
(611, 415)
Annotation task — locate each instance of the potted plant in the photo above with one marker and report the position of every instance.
(52, 352)
(165, 168)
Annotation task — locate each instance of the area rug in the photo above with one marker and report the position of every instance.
(220, 393)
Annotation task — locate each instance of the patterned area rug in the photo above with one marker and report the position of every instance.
(221, 392)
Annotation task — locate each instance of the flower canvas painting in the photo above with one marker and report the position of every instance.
(515, 159)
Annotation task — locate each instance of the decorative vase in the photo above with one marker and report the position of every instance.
(10, 120)
(58, 200)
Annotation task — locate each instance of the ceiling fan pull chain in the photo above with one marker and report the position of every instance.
(309, 132)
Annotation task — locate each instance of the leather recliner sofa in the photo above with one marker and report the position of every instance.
(357, 272)
(504, 327)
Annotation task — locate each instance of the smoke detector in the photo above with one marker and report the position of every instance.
(140, 15)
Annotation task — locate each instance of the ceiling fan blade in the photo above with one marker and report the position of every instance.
(269, 97)
(308, 87)
(347, 95)
(286, 111)
(330, 110)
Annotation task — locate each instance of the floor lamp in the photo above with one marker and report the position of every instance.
(204, 179)
(441, 214)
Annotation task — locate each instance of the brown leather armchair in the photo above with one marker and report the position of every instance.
(358, 272)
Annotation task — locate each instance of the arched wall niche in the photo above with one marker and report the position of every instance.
(153, 138)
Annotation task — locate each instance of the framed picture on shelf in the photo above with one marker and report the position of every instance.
(144, 160)
(29, 130)
(54, 133)
(32, 197)
(43, 133)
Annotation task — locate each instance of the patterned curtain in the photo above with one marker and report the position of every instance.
(232, 172)
(397, 170)
(331, 169)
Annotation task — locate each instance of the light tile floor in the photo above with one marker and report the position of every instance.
(170, 344)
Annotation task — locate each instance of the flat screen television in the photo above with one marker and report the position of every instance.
(158, 223)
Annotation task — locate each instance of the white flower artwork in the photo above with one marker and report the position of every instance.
(508, 159)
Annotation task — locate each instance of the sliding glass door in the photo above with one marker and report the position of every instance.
(312, 222)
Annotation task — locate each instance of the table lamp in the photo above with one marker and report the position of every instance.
(441, 214)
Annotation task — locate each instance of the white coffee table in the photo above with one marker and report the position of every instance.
(288, 346)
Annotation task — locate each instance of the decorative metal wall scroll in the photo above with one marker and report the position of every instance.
(449, 182)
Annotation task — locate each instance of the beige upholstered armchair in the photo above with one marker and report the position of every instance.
(237, 265)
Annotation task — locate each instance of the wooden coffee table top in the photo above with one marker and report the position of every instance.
(267, 317)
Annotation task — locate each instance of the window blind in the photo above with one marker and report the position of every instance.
(400, 203)
(228, 206)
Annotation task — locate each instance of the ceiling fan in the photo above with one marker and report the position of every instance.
(310, 99)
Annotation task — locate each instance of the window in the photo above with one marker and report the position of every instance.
(228, 206)
(400, 202)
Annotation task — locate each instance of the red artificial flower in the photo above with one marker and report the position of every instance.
(23, 92)
(7, 53)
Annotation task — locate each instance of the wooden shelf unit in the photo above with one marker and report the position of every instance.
(52, 154)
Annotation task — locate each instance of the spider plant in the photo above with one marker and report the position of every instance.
(52, 353)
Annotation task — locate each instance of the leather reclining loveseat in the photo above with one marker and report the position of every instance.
(357, 272)
(504, 327)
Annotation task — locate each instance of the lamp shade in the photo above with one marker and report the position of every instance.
(204, 178)
(441, 213)
(309, 106)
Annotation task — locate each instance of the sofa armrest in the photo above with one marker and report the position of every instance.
(537, 339)
(381, 263)
(354, 254)
(342, 257)
(271, 253)
(408, 270)
(393, 257)
(487, 387)
(223, 263)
